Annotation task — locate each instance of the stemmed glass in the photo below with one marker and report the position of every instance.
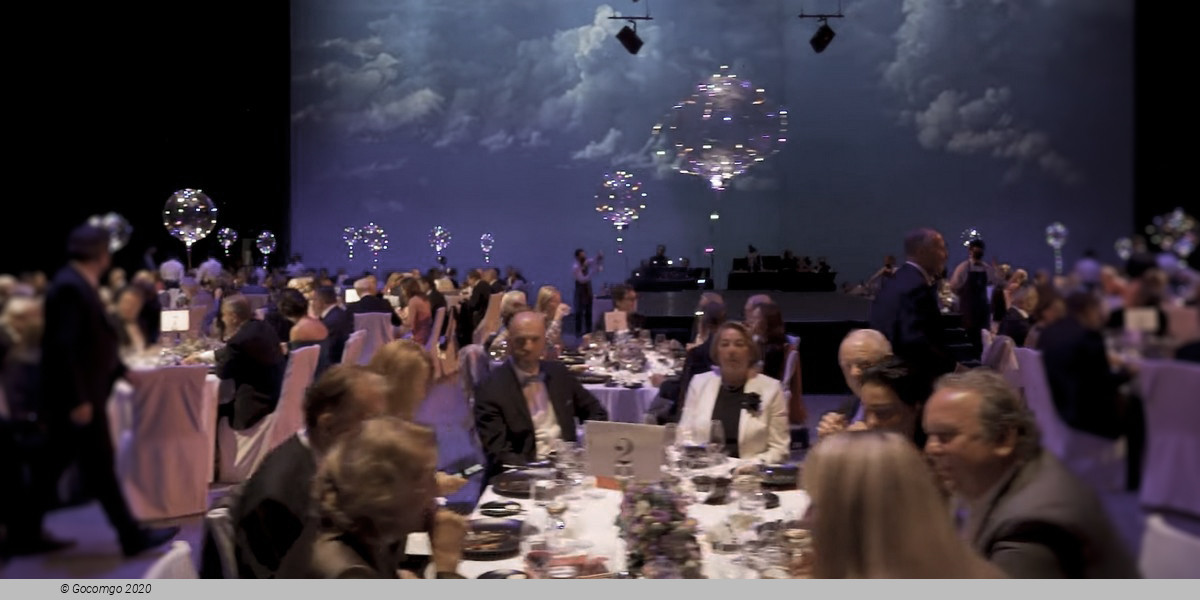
(716, 443)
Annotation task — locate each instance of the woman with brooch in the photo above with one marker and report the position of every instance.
(748, 405)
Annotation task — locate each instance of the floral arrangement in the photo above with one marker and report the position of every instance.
(654, 522)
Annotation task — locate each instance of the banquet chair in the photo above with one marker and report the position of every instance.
(987, 337)
(242, 451)
(196, 316)
(175, 564)
(1098, 460)
(354, 347)
(448, 352)
(474, 365)
(379, 331)
(491, 320)
(218, 558)
(1169, 393)
(163, 460)
(998, 355)
(1168, 552)
(431, 344)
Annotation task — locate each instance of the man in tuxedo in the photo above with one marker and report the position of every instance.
(527, 404)
(1024, 511)
(338, 322)
(369, 301)
(860, 350)
(499, 286)
(253, 359)
(481, 295)
(624, 299)
(436, 300)
(80, 364)
(906, 310)
(1016, 323)
(274, 504)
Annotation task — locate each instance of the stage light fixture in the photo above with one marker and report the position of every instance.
(824, 35)
(629, 38)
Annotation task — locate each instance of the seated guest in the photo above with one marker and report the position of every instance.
(274, 503)
(554, 310)
(524, 406)
(369, 301)
(860, 350)
(252, 359)
(1050, 308)
(660, 257)
(417, 315)
(749, 406)
(878, 514)
(624, 300)
(372, 490)
(408, 369)
(1147, 292)
(513, 279)
(1082, 381)
(1112, 287)
(150, 317)
(193, 295)
(669, 402)
(498, 286)
(699, 333)
(1026, 512)
(251, 286)
(436, 299)
(511, 303)
(130, 338)
(306, 330)
(337, 321)
(481, 296)
(1016, 323)
(466, 309)
(766, 324)
(890, 402)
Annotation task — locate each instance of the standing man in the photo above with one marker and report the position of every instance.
(970, 282)
(583, 270)
(79, 367)
(906, 310)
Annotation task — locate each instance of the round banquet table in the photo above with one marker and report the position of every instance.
(623, 404)
(593, 518)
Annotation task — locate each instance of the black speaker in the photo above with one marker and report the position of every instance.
(821, 38)
(629, 38)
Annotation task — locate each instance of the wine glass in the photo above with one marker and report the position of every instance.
(660, 342)
(716, 443)
(644, 338)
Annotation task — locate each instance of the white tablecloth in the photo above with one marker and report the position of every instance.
(593, 519)
(623, 404)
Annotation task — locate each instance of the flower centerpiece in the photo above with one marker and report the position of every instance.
(654, 522)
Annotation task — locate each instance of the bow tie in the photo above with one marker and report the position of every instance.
(528, 379)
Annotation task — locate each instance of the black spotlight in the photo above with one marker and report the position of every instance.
(820, 40)
(629, 38)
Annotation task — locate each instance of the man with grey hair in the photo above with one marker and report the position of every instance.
(860, 350)
(1025, 512)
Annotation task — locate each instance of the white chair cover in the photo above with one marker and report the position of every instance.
(1171, 393)
(242, 451)
(379, 332)
(196, 316)
(998, 355)
(449, 357)
(491, 320)
(164, 454)
(1093, 458)
(431, 345)
(987, 337)
(474, 365)
(175, 564)
(354, 347)
(1167, 552)
(257, 301)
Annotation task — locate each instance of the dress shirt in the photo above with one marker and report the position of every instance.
(541, 412)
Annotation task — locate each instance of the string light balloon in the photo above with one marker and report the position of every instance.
(227, 238)
(189, 215)
(620, 201)
(1056, 237)
(375, 239)
(486, 243)
(119, 230)
(969, 235)
(439, 239)
(266, 245)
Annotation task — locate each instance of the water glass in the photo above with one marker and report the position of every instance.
(716, 443)
(750, 493)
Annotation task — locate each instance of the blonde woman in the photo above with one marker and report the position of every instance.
(551, 306)
(877, 513)
(373, 489)
(511, 303)
(409, 371)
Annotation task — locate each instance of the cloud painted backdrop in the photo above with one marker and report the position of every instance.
(503, 117)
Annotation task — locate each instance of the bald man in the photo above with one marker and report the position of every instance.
(861, 349)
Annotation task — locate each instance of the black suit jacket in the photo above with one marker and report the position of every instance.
(633, 320)
(906, 312)
(273, 509)
(254, 361)
(503, 420)
(438, 300)
(1044, 523)
(80, 361)
(1082, 383)
(372, 304)
(1015, 326)
(340, 325)
(477, 305)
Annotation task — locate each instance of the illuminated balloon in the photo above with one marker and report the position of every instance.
(265, 244)
(1056, 236)
(486, 243)
(619, 201)
(189, 215)
(227, 238)
(375, 238)
(720, 131)
(439, 239)
(119, 230)
(1124, 247)
(969, 235)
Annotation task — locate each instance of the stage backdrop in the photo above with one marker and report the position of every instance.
(503, 117)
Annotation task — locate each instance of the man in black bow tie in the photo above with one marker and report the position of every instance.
(524, 406)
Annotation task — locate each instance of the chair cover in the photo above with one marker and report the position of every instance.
(474, 365)
(491, 320)
(218, 558)
(379, 332)
(1171, 393)
(354, 347)
(175, 564)
(1167, 552)
(242, 451)
(431, 345)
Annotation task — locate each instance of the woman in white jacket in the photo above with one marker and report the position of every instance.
(749, 405)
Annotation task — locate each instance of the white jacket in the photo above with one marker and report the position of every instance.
(762, 436)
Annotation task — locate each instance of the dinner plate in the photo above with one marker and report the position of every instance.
(504, 574)
(492, 539)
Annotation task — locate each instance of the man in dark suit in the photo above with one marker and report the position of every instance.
(1017, 323)
(80, 364)
(624, 299)
(338, 322)
(369, 301)
(524, 406)
(1025, 512)
(253, 359)
(906, 310)
(274, 504)
(436, 300)
(477, 304)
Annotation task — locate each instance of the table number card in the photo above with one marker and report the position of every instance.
(1141, 319)
(175, 320)
(616, 321)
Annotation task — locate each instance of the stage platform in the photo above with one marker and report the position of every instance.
(820, 319)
